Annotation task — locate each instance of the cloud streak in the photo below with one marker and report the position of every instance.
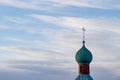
(73, 22)
(49, 4)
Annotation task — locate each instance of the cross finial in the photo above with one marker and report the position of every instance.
(83, 35)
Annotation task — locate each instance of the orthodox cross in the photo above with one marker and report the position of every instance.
(83, 35)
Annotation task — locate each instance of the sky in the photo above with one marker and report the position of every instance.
(39, 38)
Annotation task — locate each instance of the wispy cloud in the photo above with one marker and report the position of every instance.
(17, 20)
(74, 22)
(4, 27)
(19, 4)
(48, 4)
(13, 39)
(105, 4)
(36, 4)
(36, 54)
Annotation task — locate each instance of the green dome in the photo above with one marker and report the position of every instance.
(83, 55)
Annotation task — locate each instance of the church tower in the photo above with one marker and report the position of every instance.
(83, 58)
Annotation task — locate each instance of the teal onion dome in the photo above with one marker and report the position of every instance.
(83, 55)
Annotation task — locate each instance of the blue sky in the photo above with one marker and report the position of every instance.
(39, 38)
